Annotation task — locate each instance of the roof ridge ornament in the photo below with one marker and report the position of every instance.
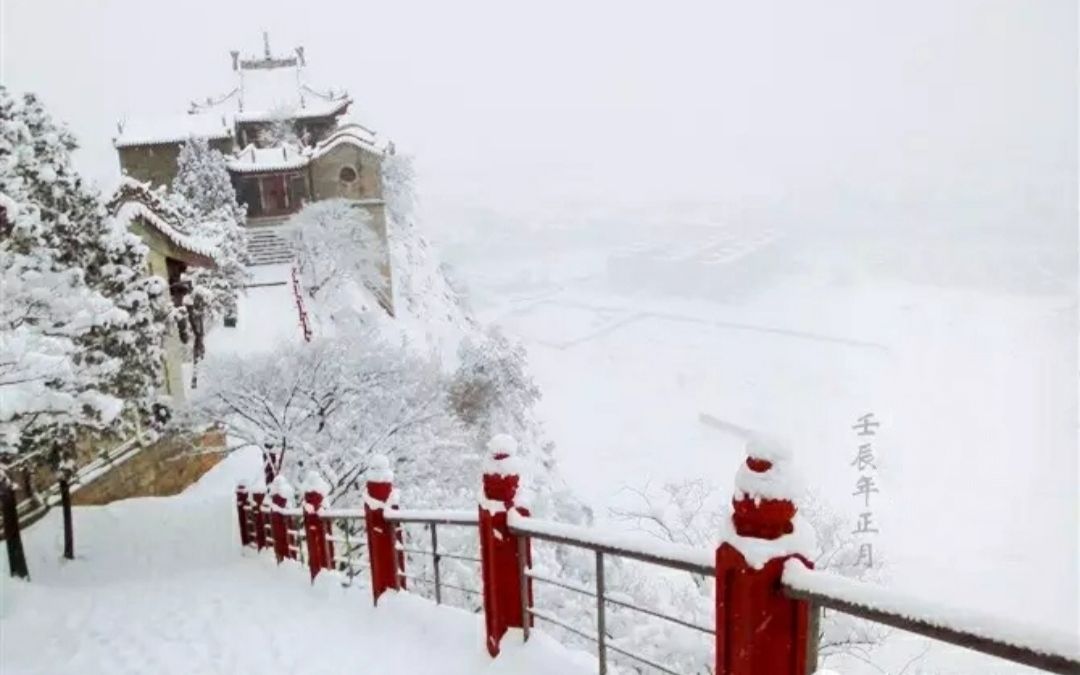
(268, 62)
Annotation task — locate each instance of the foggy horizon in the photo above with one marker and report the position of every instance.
(926, 115)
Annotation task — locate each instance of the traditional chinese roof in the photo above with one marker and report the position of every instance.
(172, 129)
(272, 88)
(136, 202)
(351, 134)
(286, 157)
(256, 160)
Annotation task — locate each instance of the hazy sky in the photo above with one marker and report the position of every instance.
(827, 107)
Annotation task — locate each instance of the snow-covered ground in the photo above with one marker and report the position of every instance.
(162, 586)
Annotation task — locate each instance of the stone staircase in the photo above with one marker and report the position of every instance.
(267, 245)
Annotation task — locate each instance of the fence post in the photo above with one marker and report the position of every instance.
(241, 512)
(507, 592)
(315, 491)
(281, 496)
(258, 495)
(387, 563)
(758, 629)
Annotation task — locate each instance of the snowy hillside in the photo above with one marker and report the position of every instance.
(162, 586)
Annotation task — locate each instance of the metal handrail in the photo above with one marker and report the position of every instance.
(798, 586)
(433, 517)
(521, 527)
(544, 616)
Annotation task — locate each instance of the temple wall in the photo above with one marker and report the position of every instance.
(326, 180)
(156, 164)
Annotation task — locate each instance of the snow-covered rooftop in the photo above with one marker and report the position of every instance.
(274, 88)
(172, 129)
(252, 159)
(136, 201)
(351, 134)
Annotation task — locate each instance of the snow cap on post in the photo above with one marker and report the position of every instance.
(281, 487)
(765, 491)
(380, 471)
(501, 473)
(502, 456)
(380, 483)
(314, 482)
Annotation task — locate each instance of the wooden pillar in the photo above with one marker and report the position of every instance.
(758, 629)
(259, 517)
(281, 497)
(499, 550)
(242, 512)
(387, 563)
(320, 556)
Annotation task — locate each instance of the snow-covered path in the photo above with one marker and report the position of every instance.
(162, 586)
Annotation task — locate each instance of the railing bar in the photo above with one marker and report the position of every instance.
(455, 556)
(1052, 663)
(550, 619)
(407, 519)
(642, 659)
(462, 588)
(672, 563)
(441, 554)
(523, 585)
(548, 580)
(414, 551)
(435, 561)
(601, 628)
(426, 580)
(813, 638)
(658, 615)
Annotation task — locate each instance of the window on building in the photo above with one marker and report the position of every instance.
(347, 174)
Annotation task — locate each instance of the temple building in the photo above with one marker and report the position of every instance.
(286, 143)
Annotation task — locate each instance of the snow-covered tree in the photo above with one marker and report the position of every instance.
(204, 199)
(36, 163)
(334, 404)
(83, 319)
(492, 389)
(339, 255)
(280, 129)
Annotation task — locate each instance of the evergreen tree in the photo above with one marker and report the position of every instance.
(214, 214)
(205, 200)
(83, 320)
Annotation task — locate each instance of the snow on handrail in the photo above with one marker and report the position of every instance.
(341, 513)
(686, 558)
(1015, 641)
(439, 517)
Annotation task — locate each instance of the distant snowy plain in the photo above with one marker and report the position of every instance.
(963, 346)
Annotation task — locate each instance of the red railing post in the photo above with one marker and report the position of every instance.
(387, 563)
(498, 548)
(758, 629)
(241, 512)
(315, 491)
(281, 496)
(258, 495)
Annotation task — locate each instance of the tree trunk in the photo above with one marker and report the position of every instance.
(12, 534)
(69, 531)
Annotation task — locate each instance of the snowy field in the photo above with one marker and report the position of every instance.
(968, 361)
(162, 586)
